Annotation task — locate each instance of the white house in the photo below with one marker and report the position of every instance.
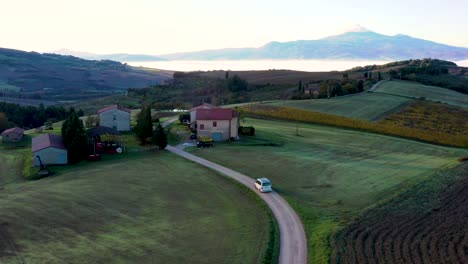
(116, 117)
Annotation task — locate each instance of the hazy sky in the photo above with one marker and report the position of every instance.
(164, 26)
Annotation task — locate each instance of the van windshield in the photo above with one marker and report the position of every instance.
(266, 184)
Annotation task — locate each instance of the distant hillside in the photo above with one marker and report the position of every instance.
(359, 44)
(435, 72)
(55, 77)
(122, 57)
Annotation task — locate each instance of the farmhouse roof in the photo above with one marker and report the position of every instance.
(204, 106)
(45, 141)
(101, 130)
(16, 130)
(113, 107)
(216, 114)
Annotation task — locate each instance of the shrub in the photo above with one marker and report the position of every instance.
(247, 131)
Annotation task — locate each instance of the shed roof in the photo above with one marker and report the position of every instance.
(45, 141)
(101, 130)
(204, 106)
(114, 107)
(16, 130)
(216, 114)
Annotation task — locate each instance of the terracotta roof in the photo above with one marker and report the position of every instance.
(216, 114)
(205, 106)
(45, 141)
(114, 107)
(14, 130)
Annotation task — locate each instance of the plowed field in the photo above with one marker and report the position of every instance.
(426, 225)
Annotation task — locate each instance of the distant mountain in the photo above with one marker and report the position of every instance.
(358, 44)
(55, 77)
(122, 57)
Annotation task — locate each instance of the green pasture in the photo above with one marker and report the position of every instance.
(417, 90)
(368, 106)
(330, 175)
(144, 207)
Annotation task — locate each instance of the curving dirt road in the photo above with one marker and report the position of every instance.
(293, 243)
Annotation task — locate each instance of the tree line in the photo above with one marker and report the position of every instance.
(31, 116)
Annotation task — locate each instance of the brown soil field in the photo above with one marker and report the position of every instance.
(427, 224)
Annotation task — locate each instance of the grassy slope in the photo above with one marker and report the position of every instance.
(149, 207)
(417, 90)
(369, 106)
(330, 175)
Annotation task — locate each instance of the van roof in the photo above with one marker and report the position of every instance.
(264, 180)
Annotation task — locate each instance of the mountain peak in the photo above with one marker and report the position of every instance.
(356, 28)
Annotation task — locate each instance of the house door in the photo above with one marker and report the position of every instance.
(217, 136)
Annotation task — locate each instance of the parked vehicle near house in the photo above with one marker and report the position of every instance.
(263, 185)
(202, 144)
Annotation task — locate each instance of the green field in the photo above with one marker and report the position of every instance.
(149, 207)
(5, 87)
(369, 106)
(417, 90)
(330, 175)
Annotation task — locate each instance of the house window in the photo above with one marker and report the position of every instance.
(114, 117)
(202, 126)
(214, 124)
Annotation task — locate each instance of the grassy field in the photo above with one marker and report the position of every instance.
(330, 175)
(368, 106)
(417, 90)
(151, 207)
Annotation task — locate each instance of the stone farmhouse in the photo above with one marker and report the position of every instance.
(218, 123)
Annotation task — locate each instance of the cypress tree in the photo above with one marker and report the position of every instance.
(144, 127)
(160, 137)
(74, 137)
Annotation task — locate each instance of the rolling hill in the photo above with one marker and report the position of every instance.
(360, 43)
(56, 77)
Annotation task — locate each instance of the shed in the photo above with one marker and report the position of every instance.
(105, 140)
(13, 134)
(50, 149)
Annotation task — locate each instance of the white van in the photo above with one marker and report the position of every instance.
(263, 184)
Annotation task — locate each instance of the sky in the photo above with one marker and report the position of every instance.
(167, 26)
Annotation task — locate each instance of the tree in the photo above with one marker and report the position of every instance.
(74, 137)
(379, 76)
(366, 75)
(360, 86)
(299, 86)
(3, 122)
(160, 137)
(41, 115)
(226, 76)
(393, 74)
(92, 121)
(144, 127)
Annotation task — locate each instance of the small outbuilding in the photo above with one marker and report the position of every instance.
(116, 117)
(15, 134)
(49, 149)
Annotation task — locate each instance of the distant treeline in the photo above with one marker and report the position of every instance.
(426, 71)
(427, 63)
(30, 116)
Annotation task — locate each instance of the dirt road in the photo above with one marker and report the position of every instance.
(293, 242)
